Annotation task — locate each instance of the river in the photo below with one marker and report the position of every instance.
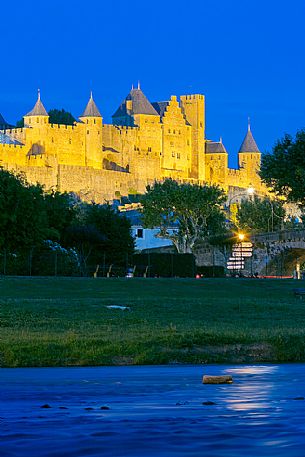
(152, 411)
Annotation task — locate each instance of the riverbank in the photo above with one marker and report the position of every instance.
(67, 322)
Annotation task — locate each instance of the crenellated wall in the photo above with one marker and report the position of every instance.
(101, 162)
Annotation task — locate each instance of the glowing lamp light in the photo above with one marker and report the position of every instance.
(241, 236)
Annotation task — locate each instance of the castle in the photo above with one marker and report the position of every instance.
(145, 142)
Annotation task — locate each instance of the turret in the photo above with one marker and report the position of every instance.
(216, 157)
(37, 116)
(93, 121)
(249, 158)
(133, 109)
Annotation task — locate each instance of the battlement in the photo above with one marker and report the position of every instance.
(13, 131)
(11, 146)
(192, 97)
(233, 172)
(63, 126)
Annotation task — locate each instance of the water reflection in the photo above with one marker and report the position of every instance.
(153, 411)
(253, 389)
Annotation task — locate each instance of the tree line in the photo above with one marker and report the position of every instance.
(33, 219)
(187, 214)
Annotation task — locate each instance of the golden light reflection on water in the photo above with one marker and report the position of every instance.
(250, 395)
(261, 369)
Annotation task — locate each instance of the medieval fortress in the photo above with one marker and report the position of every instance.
(145, 142)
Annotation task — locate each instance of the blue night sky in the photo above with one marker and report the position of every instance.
(246, 57)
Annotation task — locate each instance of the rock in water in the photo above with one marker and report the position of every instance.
(226, 379)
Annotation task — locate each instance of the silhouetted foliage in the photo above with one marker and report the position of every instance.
(260, 215)
(116, 230)
(284, 169)
(194, 211)
(23, 217)
(61, 117)
(56, 116)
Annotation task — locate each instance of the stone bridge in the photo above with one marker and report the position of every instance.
(278, 252)
(274, 253)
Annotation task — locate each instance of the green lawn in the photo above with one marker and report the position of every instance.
(63, 321)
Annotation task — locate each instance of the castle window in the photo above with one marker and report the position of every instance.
(188, 142)
(52, 140)
(174, 131)
(87, 121)
(179, 132)
(178, 155)
(37, 119)
(87, 132)
(201, 124)
(169, 130)
(135, 148)
(149, 149)
(172, 143)
(94, 121)
(69, 140)
(98, 132)
(173, 154)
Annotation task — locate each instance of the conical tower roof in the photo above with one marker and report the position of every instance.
(249, 143)
(3, 123)
(140, 105)
(91, 109)
(39, 109)
(217, 147)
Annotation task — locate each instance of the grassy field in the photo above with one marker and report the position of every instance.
(63, 321)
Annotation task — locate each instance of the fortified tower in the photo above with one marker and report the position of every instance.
(216, 163)
(193, 107)
(249, 159)
(36, 123)
(92, 125)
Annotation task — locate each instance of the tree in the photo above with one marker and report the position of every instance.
(284, 169)
(84, 239)
(61, 213)
(63, 117)
(56, 116)
(260, 215)
(116, 230)
(23, 219)
(192, 211)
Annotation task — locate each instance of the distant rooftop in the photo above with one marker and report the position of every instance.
(249, 143)
(39, 109)
(6, 139)
(139, 105)
(212, 147)
(91, 109)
